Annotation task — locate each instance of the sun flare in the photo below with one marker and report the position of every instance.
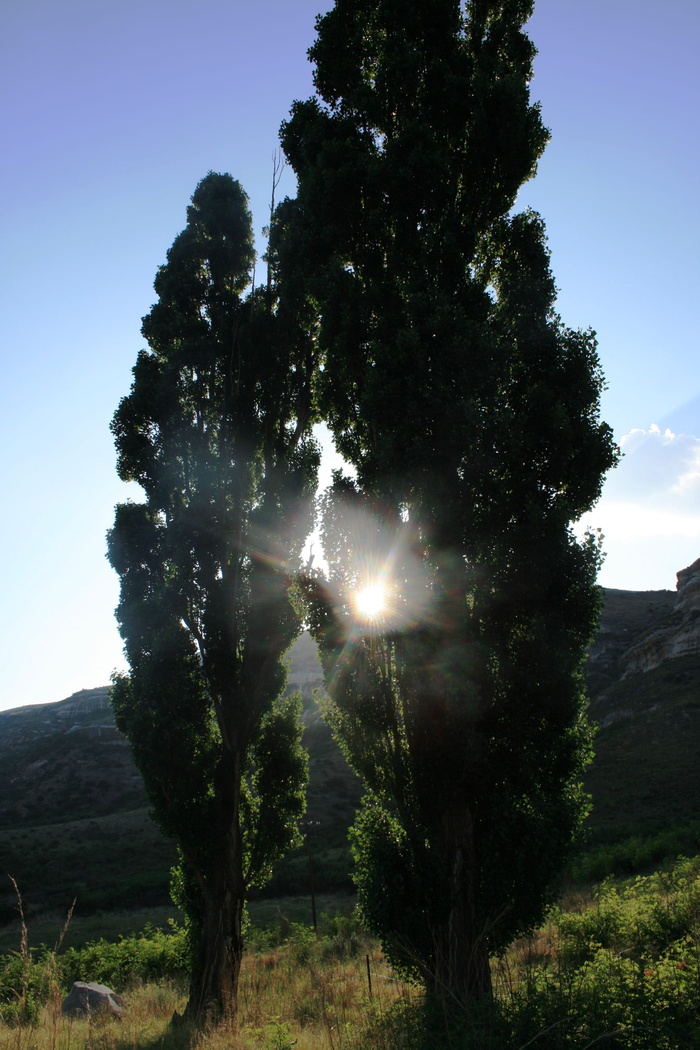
(370, 601)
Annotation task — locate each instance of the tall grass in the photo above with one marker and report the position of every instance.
(296, 988)
(618, 968)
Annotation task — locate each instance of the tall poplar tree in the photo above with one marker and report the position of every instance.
(471, 415)
(216, 432)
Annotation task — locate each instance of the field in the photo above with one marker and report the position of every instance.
(618, 964)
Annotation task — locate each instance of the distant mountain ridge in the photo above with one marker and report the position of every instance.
(86, 709)
(73, 810)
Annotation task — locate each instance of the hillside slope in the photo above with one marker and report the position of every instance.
(644, 684)
(74, 815)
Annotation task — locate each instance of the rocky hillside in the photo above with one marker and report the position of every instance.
(644, 675)
(74, 816)
(64, 760)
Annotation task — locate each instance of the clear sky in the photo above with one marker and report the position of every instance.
(113, 110)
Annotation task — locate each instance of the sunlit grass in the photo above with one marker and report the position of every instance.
(298, 994)
(619, 965)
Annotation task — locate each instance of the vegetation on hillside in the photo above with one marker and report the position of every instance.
(620, 965)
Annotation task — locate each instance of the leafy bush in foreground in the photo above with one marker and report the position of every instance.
(623, 971)
(147, 956)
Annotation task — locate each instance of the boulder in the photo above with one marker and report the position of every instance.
(88, 998)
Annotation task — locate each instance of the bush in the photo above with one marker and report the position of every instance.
(147, 956)
(28, 977)
(344, 937)
(636, 853)
(626, 970)
(21, 980)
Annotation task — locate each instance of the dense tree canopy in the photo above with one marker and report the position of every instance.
(216, 431)
(471, 416)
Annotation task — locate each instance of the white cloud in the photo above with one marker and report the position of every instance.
(658, 469)
(690, 481)
(650, 510)
(630, 520)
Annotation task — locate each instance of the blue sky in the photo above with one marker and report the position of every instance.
(113, 110)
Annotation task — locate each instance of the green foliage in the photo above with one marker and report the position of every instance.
(634, 854)
(641, 919)
(275, 1035)
(151, 955)
(301, 941)
(21, 983)
(622, 972)
(27, 980)
(276, 762)
(216, 432)
(471, 416)
(343, 937)
(627, 968)
(339, 938)
(394, 877)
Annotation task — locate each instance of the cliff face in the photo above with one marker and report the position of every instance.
(644, 687)
(678, 635)
(65, 761)
(88, 709)
(625, 617)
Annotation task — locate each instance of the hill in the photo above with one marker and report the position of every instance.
(74, 816)
(644, 685)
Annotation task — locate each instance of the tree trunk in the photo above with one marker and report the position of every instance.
(214, 980)
(461, 965)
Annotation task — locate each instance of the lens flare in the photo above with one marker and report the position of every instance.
(370, 601)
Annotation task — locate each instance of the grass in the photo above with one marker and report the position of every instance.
(310, 1008)
(617, 966)
(304, 991)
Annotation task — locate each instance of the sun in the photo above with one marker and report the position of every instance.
(370, 601)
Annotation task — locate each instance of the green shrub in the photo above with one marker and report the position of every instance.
(302, 941)
(636, 853)
(27, 978)
(626, 971)
(147, 956)
(623, 973)
(642, 918)
(21, 979)
(344, 937)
